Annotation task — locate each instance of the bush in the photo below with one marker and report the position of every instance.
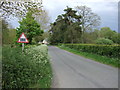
(104, 41)
(104, 50)
(23, 70)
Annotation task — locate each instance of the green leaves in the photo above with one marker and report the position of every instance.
(104, 41)
(24, 70)
(67, 28)
(102, 59)
(104, 50)
(30, 27)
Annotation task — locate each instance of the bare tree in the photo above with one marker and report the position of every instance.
(88, 18)
(43, 19)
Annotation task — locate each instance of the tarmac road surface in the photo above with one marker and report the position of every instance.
(73, 71)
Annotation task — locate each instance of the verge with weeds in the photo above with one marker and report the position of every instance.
(115, 62)
(30, 69)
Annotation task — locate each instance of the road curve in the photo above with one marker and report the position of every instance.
(73, 71)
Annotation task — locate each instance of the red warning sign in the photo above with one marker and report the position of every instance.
(23, 39)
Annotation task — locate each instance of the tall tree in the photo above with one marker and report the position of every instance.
(88, 18)
(57, 30)
(29, 26)
(5, 32)
(67, 28)
(73, 21)
(43, 19)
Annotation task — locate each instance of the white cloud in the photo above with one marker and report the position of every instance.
(107, 9)
(94, 0)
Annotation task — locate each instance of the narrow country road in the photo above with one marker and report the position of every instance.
(73, 71)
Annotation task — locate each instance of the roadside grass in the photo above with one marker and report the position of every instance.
(45, 81)
(102, 59)
(30, 69)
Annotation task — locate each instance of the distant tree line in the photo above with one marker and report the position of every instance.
(104, 35)
(80, 26)
(8, 34)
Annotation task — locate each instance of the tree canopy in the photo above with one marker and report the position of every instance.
(89, 19)
(8, 35)
(79, 25)
(66, 28)
(30, 27)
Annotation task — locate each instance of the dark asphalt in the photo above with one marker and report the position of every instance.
(73, 71)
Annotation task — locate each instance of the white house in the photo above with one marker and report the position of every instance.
(45, 42)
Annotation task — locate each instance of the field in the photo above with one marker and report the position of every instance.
(28, 69)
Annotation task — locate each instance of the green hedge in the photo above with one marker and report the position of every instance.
(104, 50)
(24, 70)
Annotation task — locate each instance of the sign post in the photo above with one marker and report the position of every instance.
(22, 47)
(23, 40)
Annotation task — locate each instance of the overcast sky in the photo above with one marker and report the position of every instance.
(106, 9)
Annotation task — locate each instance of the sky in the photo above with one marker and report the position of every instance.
(106, 9)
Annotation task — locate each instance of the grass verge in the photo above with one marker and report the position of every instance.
(102, 59)
(30, 69)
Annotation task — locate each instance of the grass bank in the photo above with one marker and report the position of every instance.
(30, 69)
(102, 59)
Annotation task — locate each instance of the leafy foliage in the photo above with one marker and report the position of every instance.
(67, 28)
(107, 33)
(74, 25)
(104, 50)
(89, 20)
(102, 59)
(30, 27)
(24, 70)
(104, 41)
(5, 31)
(79, 26)
(8, 35)
(104, 32)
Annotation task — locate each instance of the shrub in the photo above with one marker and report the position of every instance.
(104, 50)
(22, 70)
(104, 41)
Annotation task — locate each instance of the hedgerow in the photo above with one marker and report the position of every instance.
(112, 51)
(24, 70)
